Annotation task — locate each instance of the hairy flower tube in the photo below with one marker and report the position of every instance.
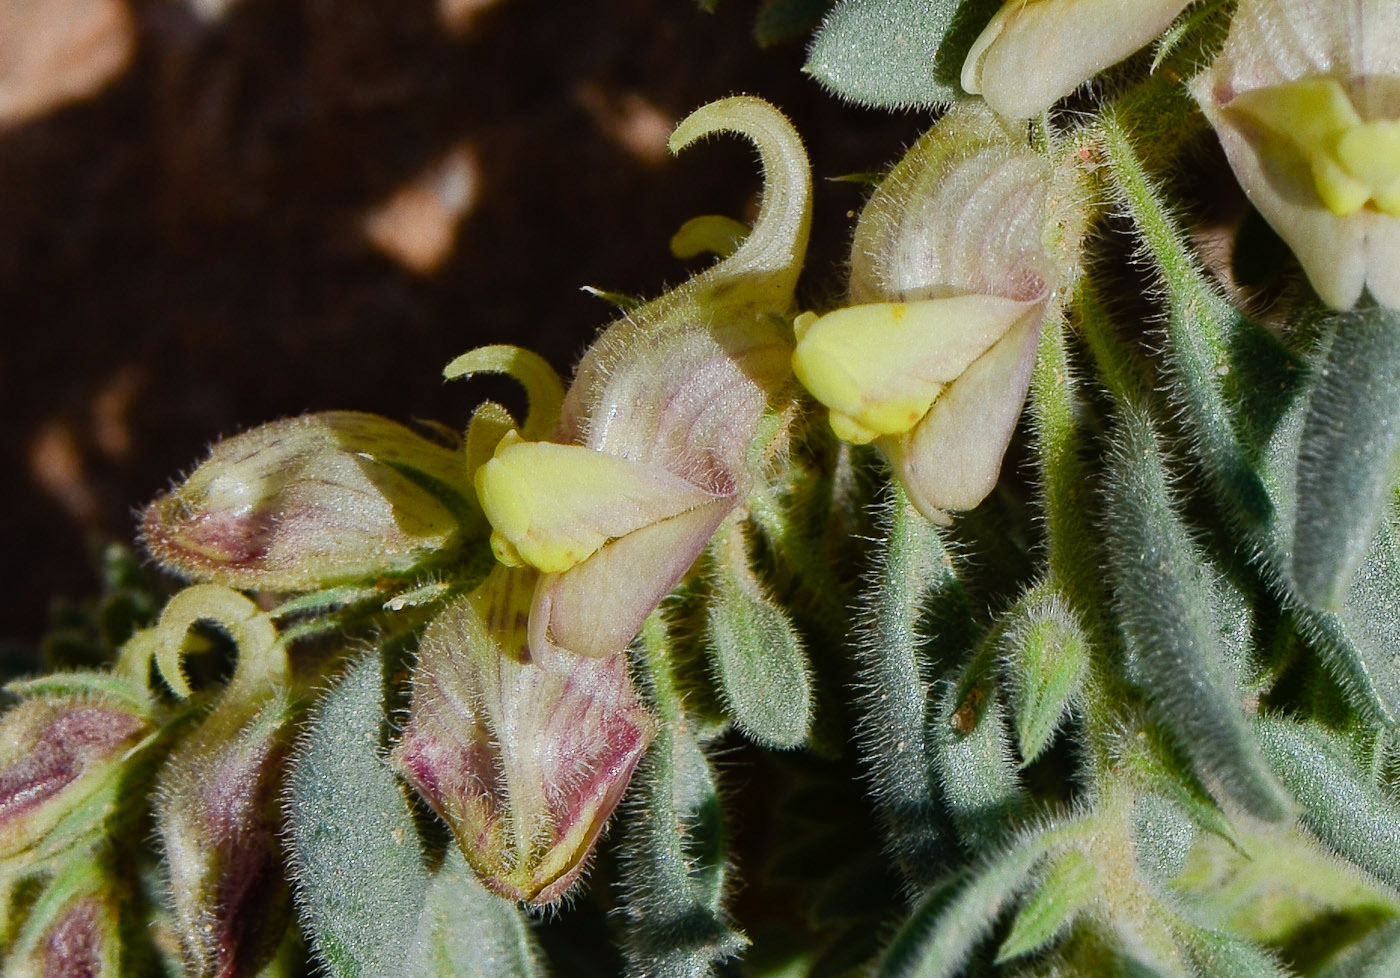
(307, 501)
(1035, 52)
(951, 279)
(652, 448)
(525, 756)
(1306, 100)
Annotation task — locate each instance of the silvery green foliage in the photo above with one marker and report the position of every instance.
(1133, 714)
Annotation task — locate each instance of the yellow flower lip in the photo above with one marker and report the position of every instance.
(552, 506)
(1354, 162)
(880, 366)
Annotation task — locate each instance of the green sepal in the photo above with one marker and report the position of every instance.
(1162, 589)
(1070, 884)
(1346, 460)
(897, 54)
(104, 686)
(953, 918)
(761, 670)
(1276, 887)
(1343, 808)
(1375, 956)
(1216, 955)
(1046, 657)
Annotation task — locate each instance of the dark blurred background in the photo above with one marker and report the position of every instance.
(296, 205)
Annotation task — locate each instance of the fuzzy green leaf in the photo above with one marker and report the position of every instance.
(357, 862)
(951, 920)
(894, 54)
(1346, 462)
(1237, 388)
(977, 772)
(760, 666)
(1069, 885)
(1222, 956)
(1344, 809)
(1047, 657)
(464, 931)
(1162, 589)
(915, 578)
(672, 864)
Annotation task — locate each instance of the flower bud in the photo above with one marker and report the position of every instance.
(524, 756)
(218, 817)
(951, 276)
(1306, 100)
(1035, 52)
(313, 500)
(73, 930)
(61, 757)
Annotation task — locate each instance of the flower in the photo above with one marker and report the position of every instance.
(524, 728)
(323, 498)
(652, 449)
(951, 279)
(1306, 100)
(1035, 52)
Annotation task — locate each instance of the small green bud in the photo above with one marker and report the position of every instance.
(60, 759)
(313, 500)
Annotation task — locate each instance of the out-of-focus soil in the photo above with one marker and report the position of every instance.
(183, 254)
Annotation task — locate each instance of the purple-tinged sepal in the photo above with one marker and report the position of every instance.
(218, 812)
(525, 757)
(73, 930)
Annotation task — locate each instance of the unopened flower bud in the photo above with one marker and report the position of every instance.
(312, 500)
(524, 756)
(73, 931)
(951, 278)
(61, 757)
(1035, 52)
(1306, 100)
(218, 817)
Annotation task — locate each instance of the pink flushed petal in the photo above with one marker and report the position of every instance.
(951, 460)
(596, 607)
(524, 757)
